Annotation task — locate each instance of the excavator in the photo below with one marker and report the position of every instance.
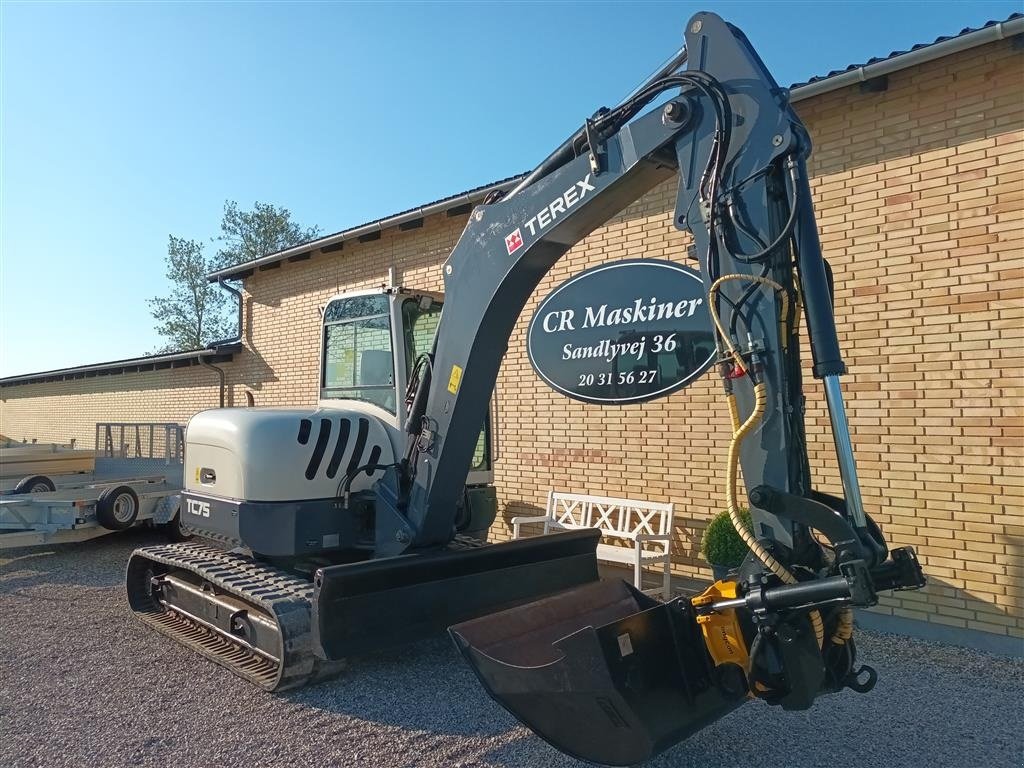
(361, 524)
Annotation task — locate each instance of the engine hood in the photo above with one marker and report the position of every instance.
(283, 454)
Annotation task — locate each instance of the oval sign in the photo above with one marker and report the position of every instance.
(623, 332)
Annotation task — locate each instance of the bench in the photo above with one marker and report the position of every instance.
(647, 525)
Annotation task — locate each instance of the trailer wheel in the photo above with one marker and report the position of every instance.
(35, 484)
(175, 529)
(117, 508)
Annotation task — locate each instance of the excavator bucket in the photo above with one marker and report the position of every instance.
(601, 672)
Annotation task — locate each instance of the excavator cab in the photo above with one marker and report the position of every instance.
(370, 344)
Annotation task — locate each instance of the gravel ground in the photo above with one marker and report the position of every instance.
(81, 683)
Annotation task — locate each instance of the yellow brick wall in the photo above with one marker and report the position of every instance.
(918, 192)
(58, 412)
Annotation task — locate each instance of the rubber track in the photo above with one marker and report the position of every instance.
(280, 595)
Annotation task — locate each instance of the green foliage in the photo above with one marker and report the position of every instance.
(196, 312)
(721, 544)
(248, 235)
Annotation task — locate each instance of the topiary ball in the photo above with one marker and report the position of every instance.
(721, 544)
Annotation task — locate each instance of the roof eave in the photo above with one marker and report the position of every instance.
(163, 360)
(441, 206)
(989, 34)
(992, 32)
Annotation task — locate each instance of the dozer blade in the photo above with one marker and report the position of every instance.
(280, 631)
(375, 604)
(602, 672)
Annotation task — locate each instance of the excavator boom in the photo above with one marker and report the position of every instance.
(604, 672)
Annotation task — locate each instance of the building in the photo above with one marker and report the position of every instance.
(917, 176)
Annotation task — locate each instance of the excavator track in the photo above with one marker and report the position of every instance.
(252, 618)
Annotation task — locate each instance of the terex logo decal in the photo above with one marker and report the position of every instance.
(196, 507)
(557, 207)
(514, 241)
(560, 205)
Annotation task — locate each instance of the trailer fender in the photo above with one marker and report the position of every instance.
(167, 509)
(35, 484)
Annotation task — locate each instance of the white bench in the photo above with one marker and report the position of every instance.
(648, 525)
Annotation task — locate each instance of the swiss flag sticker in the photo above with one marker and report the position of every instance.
(514, 242)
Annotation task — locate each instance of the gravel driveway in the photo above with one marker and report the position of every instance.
(81, 683)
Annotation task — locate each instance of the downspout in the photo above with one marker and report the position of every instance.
(221, 342)
(238, 298)
(220, 375)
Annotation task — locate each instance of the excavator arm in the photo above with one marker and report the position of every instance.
(604, 672)
(738, 150)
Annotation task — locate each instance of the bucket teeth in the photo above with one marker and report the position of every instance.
(277, 601)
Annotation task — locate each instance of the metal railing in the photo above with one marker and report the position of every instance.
(140, 440)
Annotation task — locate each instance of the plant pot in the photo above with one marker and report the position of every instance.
(720, 571)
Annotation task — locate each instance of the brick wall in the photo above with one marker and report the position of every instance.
(58, 412)
(918, 192)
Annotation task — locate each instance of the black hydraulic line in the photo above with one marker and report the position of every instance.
(419, 403)
(566, 151)
(351, 474)
(607, 122)
(778, 242)
(673, 63)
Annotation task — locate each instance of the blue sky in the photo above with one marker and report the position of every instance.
(123, 123)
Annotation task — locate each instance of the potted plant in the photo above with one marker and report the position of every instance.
(722, 546)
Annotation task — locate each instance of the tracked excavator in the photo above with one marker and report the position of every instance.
(361, 524)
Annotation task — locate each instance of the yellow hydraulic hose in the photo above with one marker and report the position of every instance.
(783, 298)
(732, 470)
(844, 627)
(740, 432)
(734, 412)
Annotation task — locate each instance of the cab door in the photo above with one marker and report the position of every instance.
(419, 315)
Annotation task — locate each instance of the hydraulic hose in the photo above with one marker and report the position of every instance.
(740, 433)
(783, 298)
(844, 627)
(734, 412)
(759, 551)
(732, 477)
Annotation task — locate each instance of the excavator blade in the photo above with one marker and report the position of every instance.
(602, 672)
(375, 604)
(280, 631)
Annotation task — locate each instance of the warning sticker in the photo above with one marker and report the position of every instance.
(455, 379)
(625, 645)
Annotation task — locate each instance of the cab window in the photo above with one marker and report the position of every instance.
(420, 319)
(358, 359)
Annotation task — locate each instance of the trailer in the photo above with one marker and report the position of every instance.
(137, 480)
(63, 465)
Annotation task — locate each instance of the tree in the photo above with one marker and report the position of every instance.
(193, 314)
(197, 312)
(248, 235)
